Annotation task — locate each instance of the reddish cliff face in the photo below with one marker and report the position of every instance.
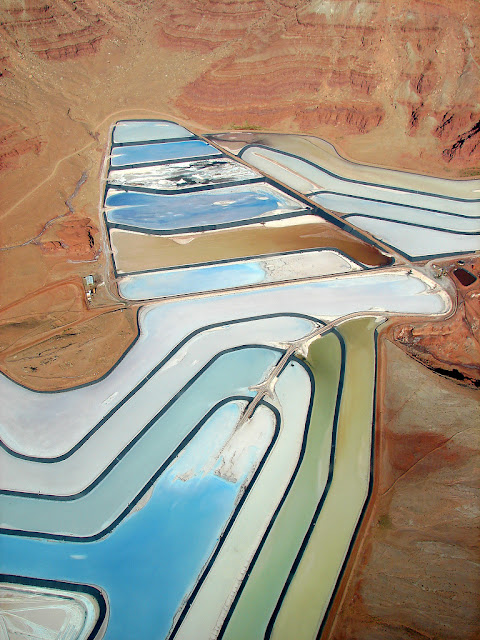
(337, 68)
(392, 83)
(16, 141)
(55, 30)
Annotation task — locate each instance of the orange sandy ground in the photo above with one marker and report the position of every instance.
(413, 572)
(394, 84)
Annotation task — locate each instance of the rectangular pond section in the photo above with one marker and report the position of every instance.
(209, 208)
(161, 152)
(183, 175)
(229, 275)
(131, 131)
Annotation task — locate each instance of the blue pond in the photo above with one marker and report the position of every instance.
(158, 284)
(163, 151)
(230, 374)
(180, 211)
(151, 560)
(391, 211)
(144, 131)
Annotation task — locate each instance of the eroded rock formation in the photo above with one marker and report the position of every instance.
(352, 65)
(16, 141)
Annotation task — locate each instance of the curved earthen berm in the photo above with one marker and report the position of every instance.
(392, 84)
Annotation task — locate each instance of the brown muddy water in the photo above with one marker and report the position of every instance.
(139, 251)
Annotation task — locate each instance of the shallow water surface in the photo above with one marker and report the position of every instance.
(183, 175)
(142, 251)
(137, 154)
(145, 130)
(185, 210)
(287, 266)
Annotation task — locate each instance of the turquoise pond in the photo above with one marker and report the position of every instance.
(158, 284)
(228, 375)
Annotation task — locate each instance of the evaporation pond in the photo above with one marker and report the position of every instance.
(161, 152)
(187, 210)
(143, 131)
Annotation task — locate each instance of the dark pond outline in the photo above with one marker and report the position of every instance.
(395, 204)
(362, 182)
(414, 224)
(159, 163)
(61, 585)
(205, 227)
(326, 489)
(140, 143)
(179, 619)
(261, 256)
(303, 546)
(144, 380)
(180, 190)
(166, 407)
(60, 537)
(427, 256)
(367, 497)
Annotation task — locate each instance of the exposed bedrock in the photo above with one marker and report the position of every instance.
(55, 30)
(71, 238)
(354, 65)
(392, 83)
(16, 141)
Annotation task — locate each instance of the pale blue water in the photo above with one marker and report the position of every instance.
(417, 241)
(328, 182)
(151, 560)
(229, 375)
(158, 284)
(230, 204)
(138, 131)
(391, 211)
(137, 154)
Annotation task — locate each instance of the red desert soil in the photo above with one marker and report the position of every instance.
(450, 347)
(50, 340)
(395, 84)
(414, 570)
